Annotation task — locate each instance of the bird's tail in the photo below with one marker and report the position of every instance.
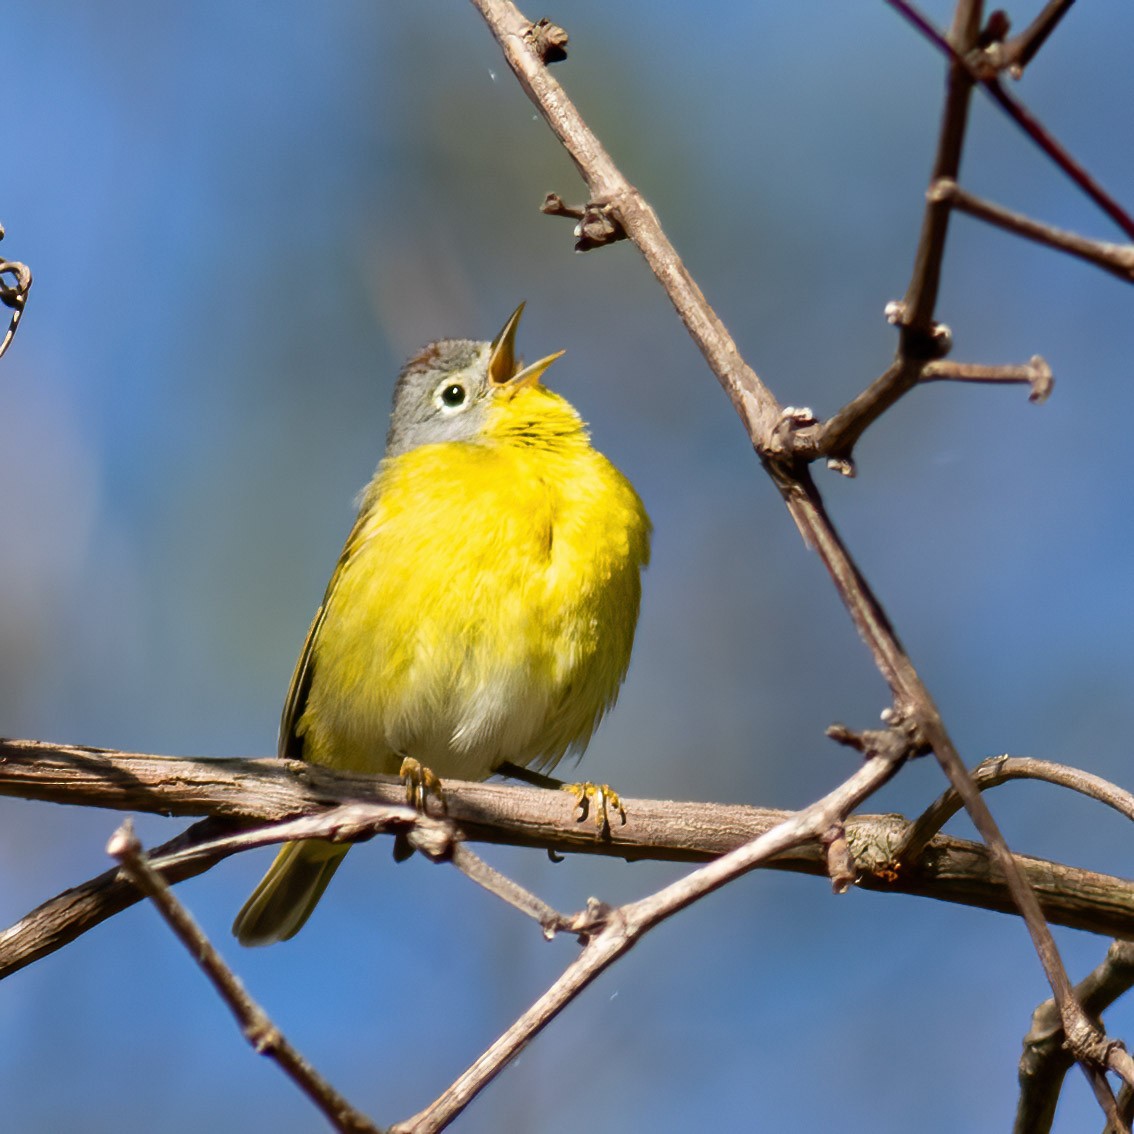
(287, 894)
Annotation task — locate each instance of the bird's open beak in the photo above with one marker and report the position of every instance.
(502, 364)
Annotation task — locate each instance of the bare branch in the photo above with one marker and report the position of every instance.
(980, 70)
(1118, 259)
(264, 1037)
(609, 933)
(1045, 1060)
(299, 800)
(58, 921)
(997, 770)
(14, 295)
(1016, 53)
(921, 342)
(1034, 373)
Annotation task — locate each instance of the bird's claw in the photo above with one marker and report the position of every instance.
(601, 797)
(421, 784)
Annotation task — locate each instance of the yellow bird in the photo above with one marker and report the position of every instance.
(483, 609)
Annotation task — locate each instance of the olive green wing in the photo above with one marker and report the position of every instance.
(290, 743)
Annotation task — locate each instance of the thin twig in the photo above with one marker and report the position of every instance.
(610, 933)
(1016, 53)
(997, 770)
(60, 920)
(13, 296)
(1118, 259)
(921, 340)
(1034, 373)
(986, 75)
(550, 920)
(258, 1029)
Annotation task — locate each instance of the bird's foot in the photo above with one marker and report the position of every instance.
(421, 784)
(601, 799)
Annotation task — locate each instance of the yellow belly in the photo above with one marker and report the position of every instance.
(484, 611)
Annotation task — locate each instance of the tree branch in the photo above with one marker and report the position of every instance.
(264, 1037)
(1118, 259)
(1045, 1060)
(610, 933)
(14, 296)
(997, 770)
(914, 708)
(1016, 53)
(240, 796)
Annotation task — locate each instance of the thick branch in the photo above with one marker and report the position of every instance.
(240, 793)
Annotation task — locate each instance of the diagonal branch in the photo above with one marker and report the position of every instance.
(913, 706)
(264, 1037)
(610, 933)
(1118, 259)
(1016, 53)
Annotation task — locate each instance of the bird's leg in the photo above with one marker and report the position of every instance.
(602, 796)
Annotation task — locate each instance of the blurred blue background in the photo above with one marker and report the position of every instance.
(241, 218)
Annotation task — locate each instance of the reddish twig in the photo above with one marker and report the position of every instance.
(984, 72)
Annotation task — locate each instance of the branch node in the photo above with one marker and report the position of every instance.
(547, 40)
(591, 921)
(841, 866)
(1042, 380)
(899, 741)
(597, 224)
(263, 1036)
(434, 839)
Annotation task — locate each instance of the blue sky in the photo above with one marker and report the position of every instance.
(241, 218)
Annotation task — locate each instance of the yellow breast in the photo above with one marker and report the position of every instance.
(485, 606)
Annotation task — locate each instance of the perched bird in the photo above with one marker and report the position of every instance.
(483, 609)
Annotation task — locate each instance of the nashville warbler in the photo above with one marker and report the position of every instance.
(483, 609)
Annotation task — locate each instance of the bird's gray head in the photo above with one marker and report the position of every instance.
(444, 392)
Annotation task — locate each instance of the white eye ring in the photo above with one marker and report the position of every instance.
(451, 396)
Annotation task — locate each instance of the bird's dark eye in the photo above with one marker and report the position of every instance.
(453, 395)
